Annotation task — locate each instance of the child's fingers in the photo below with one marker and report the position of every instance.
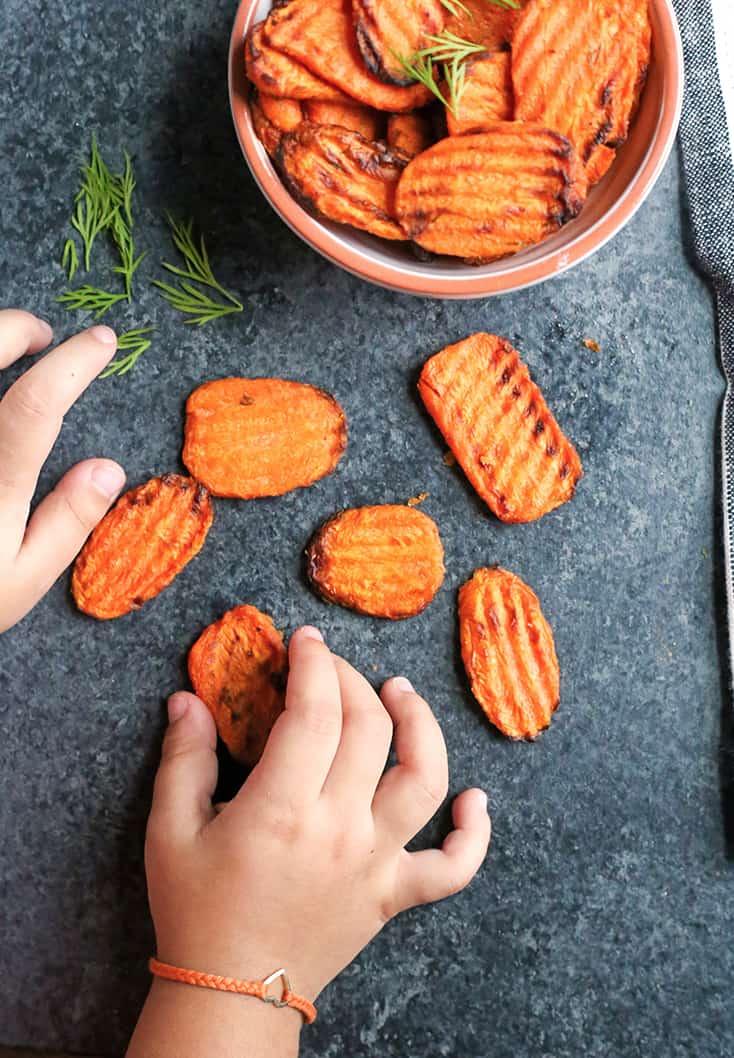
(21, 333)
(365, 741)
(32, 410)
(187, 775)
(438, 873)
(305, 737)
(410, 793)
(64, 520)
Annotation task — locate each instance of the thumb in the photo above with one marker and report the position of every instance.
(187, 775)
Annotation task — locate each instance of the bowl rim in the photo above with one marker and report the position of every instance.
(514, 276)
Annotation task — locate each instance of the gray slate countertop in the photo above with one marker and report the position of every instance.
(601, 923)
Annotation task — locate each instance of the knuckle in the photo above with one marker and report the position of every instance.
(316, 720)
(83, 520)
(433, 788)
(28, 403)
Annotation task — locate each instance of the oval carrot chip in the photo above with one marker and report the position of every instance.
(367, 121)
(487, 95)
(387, 29)
(138, 548)
(579, 67)
(251, 437)
(484, 22)
(384, 561)
(276, 74)
(238, 668)
(320, 34)
(508, 652)
(285, 114)
(497, 424)
(343, 176)
(487, 195)
(410, 133)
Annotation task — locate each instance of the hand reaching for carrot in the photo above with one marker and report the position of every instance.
(305, 865)
(33, 553)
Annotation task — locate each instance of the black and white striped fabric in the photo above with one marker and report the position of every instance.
(707, 139)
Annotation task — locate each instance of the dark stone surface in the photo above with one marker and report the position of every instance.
(601, 923)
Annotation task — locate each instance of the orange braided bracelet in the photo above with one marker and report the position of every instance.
(258, 989)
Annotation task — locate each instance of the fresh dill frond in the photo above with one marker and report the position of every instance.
(449, 52)
(135, 344)
(186, 298)
(70, 258)
(90, 299)
(123, 238)
(127, 185)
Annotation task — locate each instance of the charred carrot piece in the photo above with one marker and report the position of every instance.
(410, 133)
(366, 121)
(276, 74)
(388, 28)
(487, 95)
(497, 424)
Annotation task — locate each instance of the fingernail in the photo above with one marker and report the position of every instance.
(309, 632)
(482, 800)
(401, 684)
(47, 331)
(108, 478)
(178, 705)
(102, 334)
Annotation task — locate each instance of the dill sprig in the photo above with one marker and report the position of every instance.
(135, 344)
(186, 298)
(454, 6)
(70, 258)
(448, 52)
(122, 235)
(90, 299)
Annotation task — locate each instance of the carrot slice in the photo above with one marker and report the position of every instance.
(285, 114)
(483, 22)
(599, 163)
(497, 424)
(320, 34)
(238, 668)
(266, 132)
(579, 67)
(508, 652)
(344, 176)
(487, 195)
(410, 133)
(388, 28)
(385, 561)
(364, 120)
(487, 95)
(276, 74)
(141, 545)
(250, 437)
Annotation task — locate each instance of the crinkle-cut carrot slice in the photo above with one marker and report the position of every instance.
(238, 668)
(499, 427)
(251, 437)
(276, 74)
(389, 28)
(138, 548)
(410, 133)
(482, 22)
(343, 176)
(486, 195)
(579, 66)
(321, 35)
(508, 652)
(386, 561)
(487, 95)
(367, 121)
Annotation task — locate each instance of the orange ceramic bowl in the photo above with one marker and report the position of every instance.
(609, 206)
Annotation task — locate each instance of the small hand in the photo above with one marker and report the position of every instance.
(308, 862)
(34, 553)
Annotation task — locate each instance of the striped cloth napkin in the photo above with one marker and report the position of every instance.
(707, 139)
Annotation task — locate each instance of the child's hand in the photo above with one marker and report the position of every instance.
(307, 863)
(32, 556)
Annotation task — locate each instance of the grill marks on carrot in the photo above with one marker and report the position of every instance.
(238, 667)
(276, 74)
(499, 427)
(320, 35)
(141, 545)
(484, 23)
(487, 97)
(484, 196)
(343, 176)
(257, 437)
(579, 67)
(386, 561)
(386, 28)
(508, 652)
